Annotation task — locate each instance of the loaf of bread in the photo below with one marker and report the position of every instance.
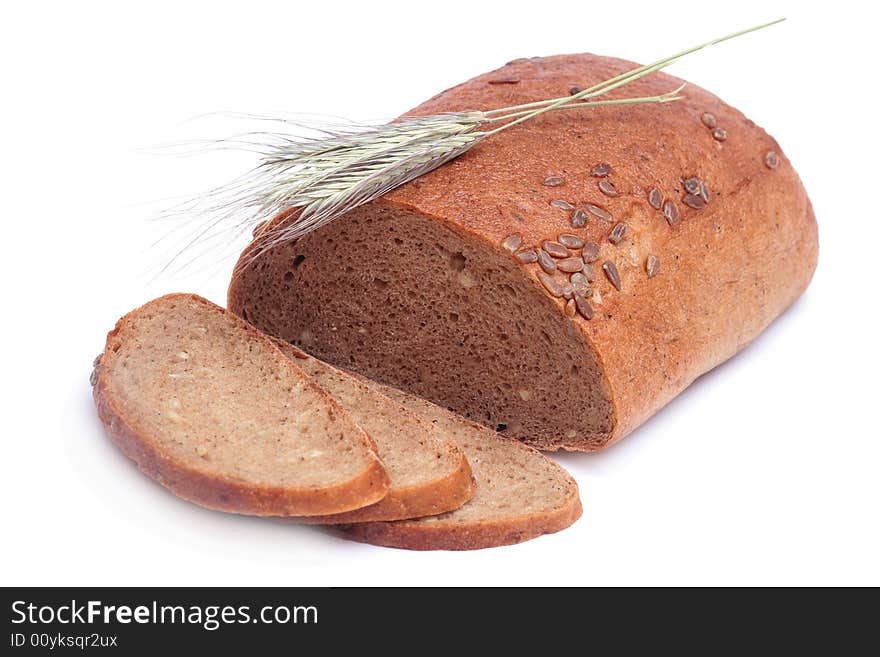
(212, 410)
(564, 279)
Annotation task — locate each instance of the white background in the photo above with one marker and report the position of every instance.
(763, 472)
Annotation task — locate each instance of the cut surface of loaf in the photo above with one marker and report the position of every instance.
(211, 409)
(521, 494)
(564, 279)
(428, 472)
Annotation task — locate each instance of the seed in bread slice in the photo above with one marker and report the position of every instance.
(208, 406)
(521, 494)
(429, 473)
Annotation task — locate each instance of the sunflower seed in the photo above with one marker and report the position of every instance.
(555, 249)
(527, 256)
(510, 80)
(611, 273)
(617, 233)
(655, 198)
(93, 377)
(546, 262)
(601, 170)
(692, 185)
(570, 308)
(579, 218)
(550, 284)
(720, 134)
(771, 159)
(561, 204)
(704, 192)
(607, 187)
(708, 120)
(567, 292)
(583, 307)
(553, 181)
(694, 201)
(602, 213)
(569, 265)
(670, 211)
(571, 241)
(652, 266)
(580, 284)
(590, 252)
(588, 272)
(512, 242)
(575, 90)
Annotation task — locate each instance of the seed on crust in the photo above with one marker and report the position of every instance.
(553, 181)
(93, 377)
(709, 120)
(719, 134)
(670, 211)
(602, 213)
(570, 308)
(555, 249)
(617, 233)
(579, 218)
(580, 284)
(652, 266)
(771, 159)
(570, 241)
(607, 187)
(508, 80)
(546, 262)
(590, 252)
(562, 204)
(526, 256)
(567, 291)
(611, 273)
(512, 242)
(569, 265)
(655, 198)
(589, 272)
(694, 201)
(692, 185)
(575, 90)
(583, 307)
(550, 284)
(704, 192)
(601, 170)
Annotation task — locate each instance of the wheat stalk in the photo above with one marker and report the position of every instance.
(348, 164)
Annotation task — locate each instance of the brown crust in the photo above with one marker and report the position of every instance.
(429, 499)
(439, 535)
(727, 270)
(225, 494)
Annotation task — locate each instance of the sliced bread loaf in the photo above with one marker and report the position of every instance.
(208, 406)
(563, 280)
(521, 494)
(429, 473)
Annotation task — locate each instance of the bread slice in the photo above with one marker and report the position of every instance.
(212, 410)
(429, 473)
(521, 494)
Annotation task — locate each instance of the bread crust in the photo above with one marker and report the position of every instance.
(411, 535)
(225, 494)
(727, 269)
